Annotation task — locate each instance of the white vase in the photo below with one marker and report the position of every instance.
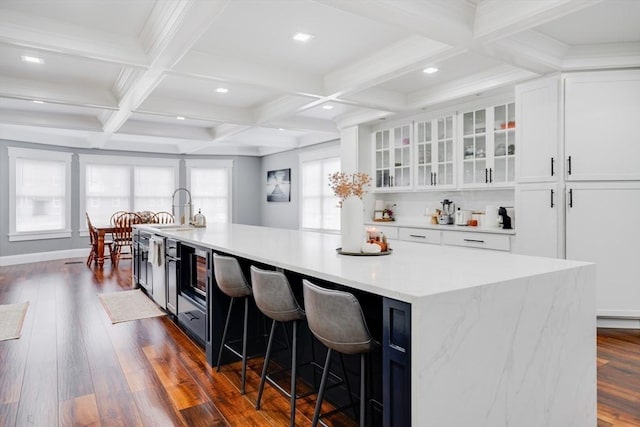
(352, 224)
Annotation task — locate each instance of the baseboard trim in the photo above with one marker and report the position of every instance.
(43, 256)
(618, 322)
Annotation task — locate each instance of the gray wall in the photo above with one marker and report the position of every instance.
(246, 195)
(281, 214)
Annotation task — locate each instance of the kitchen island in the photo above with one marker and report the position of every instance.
(470, 337)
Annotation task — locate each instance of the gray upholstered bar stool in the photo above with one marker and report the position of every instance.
(335, 318)
(232, 282)
(274, 298)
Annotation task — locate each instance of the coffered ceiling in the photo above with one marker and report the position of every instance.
(227, 77)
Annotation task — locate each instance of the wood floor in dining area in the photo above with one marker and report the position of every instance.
(73, 367)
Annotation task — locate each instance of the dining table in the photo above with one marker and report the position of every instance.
(102, 230)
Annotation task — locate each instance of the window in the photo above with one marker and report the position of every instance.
(210, 184)
(39, 194)
(109, 184)
(318, 203)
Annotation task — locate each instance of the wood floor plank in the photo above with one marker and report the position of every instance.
(80, 411)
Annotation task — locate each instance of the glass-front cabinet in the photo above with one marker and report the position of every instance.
(393, 158)
(435, 153)
(489, 146)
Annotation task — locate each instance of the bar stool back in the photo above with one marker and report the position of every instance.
(335, 318)
(275, 299)
(232, 283)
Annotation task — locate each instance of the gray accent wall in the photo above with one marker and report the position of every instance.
(246, 194)
(285, 214)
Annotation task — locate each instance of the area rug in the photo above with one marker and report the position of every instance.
(129, 305)
(11, 319)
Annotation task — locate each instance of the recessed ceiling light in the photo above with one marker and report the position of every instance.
(222, 90)
(35, 101)
(32, 59)
(430, 70)
(327, 107)
(302, 37)
(179, 118)
(280, 128)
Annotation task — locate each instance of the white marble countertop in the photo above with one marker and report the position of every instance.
(417, 222)
(413, 271)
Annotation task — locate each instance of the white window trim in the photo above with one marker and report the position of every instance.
(214, 164)
(92, 159)
(31, 154)
(308, 156)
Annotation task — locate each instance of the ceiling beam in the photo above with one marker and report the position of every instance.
(282, 107)
(496, 19)
(171, 107)
(171, 30)
(306, 124)
(602, 56)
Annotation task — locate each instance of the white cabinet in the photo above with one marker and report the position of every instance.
(489, 147)
(602, 111)
(601, 222)
(498, 242)
(393, 158)
(540, 211)
(419, 235)
(435, 153)
(537, 133)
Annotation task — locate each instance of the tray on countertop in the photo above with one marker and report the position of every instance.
(341, 252)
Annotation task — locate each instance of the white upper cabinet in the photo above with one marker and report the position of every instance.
(537, 133)
(602, 113)
(393, 159)
(489, 147)
(435, 153)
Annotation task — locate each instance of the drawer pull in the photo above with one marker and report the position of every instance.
(474, 240)
(417, 235)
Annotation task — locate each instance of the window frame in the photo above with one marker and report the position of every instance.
(309, 156)
(226, 164)
(16, 153)
(131, 163)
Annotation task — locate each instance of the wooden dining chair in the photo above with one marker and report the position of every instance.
(163, 218)
(146, 216)
(122, 232)
(115, 216)
(93, 239)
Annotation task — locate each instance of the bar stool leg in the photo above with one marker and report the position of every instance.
(263, 377)
(323, 383)
(348, 384)
(244, 345)
(294, 364)
(224, 334)
(362, 389)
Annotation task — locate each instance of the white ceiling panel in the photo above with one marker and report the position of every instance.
(123, 17)
(323, 112)
(47, 107)
(263, 30)
(172, 120)
(448, 70)
(608, 22)
(204, 91)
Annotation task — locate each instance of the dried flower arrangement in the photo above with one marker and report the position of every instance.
(345, 185)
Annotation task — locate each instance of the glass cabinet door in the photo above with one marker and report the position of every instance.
(424, 152)
(383, 161)
(504, 143)
(445, 171)
(474, 146)
(401, 157)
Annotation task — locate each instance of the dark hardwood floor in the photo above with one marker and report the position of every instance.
(73, 367)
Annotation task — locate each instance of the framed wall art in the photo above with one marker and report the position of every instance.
(279, 185)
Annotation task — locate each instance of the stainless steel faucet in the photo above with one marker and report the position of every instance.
(180, 206)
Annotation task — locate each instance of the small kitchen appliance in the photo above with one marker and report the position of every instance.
(462, 217)
(504, 218)
(448, 212)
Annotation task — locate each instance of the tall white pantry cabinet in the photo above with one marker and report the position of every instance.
(578, 179)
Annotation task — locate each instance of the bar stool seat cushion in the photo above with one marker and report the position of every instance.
(274, 297)
(229, 277)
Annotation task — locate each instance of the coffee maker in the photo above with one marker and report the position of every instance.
(504, 218)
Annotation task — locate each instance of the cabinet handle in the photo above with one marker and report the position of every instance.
(474, 240)
(417, 235)
(553, 161)
(571, 198)
(486, 176)
(490, 174)
(569, 165)
(431, 175)
(435, 178)
(551, 198)
(391, 181)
